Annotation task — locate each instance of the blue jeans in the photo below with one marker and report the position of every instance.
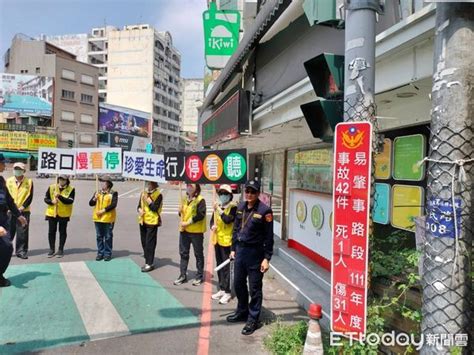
(104, 238)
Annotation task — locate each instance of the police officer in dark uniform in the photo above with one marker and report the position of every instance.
(252, 249)
(6, 203)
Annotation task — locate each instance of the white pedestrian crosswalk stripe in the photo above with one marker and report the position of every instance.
(99, 315)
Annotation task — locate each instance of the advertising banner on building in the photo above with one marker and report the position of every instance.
(124, 121)
(14, 140)
(217, 167)
(144, 166)
(39, 140)
(175, 163)
(80, 161)
(26, 94)
(350, 242)
(129, 143)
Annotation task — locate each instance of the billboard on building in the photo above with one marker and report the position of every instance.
(124, 121)
(26, 94)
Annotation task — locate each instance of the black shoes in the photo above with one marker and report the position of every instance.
(107, 258)
(237, 317)
(180, 280)
(250, 327)
(4, 282)
(60, 254)
(99, 257)
(50, 253)
(147, 268)
(22, 256)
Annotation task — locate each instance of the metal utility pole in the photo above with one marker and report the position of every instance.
(447, 307)
(359, 76)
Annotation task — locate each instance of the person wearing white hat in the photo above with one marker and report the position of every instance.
(21, 189)
(222, 222)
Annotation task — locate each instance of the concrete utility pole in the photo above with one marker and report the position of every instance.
(359, 76)
(447, 285)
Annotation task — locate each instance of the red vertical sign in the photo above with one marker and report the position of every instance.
(350, 243)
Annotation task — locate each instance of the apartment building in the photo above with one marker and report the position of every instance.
(139, 68)
(193, 96)
(75, 103)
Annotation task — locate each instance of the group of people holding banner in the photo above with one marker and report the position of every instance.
(242, 233)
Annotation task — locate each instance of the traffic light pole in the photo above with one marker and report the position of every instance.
(359, 76)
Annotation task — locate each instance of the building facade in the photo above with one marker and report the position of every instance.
(139, 68)
(294, 166)
(193, 96)
(75, 103)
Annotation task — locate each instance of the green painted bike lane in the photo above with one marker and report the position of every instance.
(38, 310)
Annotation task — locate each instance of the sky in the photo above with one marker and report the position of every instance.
(182, 18)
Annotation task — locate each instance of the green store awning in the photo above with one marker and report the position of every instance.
(16, 155)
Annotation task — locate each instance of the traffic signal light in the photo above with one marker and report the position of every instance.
(324, 12)
(326, 73)
(70, 143)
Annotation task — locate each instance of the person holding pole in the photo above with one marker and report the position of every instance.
(222, 222)
(149, 219)
(60, 198)
(21, 189)
(252, 249)
(104, 214)
(191, 231)
(6, 204)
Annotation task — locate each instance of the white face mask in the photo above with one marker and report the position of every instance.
(18, 172)
(224, 199)
(190, 190)
(62, 183)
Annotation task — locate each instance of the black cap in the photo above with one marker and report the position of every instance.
(253, 184)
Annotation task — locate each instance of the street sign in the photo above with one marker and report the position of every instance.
(98, 160)
(175, 166)
(56, 161)
(149, 148)
(350, 245)
(144, 166)
(80, 161)
(221, 35)
(217, 167)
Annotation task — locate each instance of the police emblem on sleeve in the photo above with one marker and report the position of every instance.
(269, 217)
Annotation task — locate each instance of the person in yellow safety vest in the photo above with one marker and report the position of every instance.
(60, 198)
(105, 204)
(149, 219)
(222, 223)
(192, 228)
(21, 189)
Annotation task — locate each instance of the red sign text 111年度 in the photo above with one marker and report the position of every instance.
(351, 206)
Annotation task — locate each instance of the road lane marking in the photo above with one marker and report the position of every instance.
(130, 191)
(205, 329)
(142, 302)
(98, 314)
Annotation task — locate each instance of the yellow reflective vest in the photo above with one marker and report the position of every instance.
(190, 211)
(150, 218)
(20, 192)
(60, 209)
(223, 233)
(104, 200)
